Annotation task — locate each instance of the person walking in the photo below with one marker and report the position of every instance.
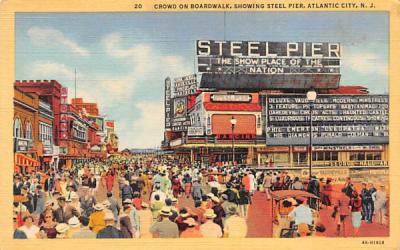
(380, 205)
(235, 226)
(163, 227)
(125, 222)
(356, 207)
(96, 219)
(210, 229)
(109, 231)
(84, 232)
(191, 230)
(267, 183)
(244, 201)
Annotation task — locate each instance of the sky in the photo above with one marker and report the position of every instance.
(122, 59)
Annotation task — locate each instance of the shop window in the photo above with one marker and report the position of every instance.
(357, 156)
(378, 156)
(300, 157)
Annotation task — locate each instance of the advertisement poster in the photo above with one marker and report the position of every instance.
(199, 124)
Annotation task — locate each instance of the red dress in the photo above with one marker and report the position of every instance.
(176, 187)
(109, 182)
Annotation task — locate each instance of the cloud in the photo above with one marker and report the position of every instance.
(145, 59)
(50, 37)
(146, 130)
(50, 70)
(366, 63)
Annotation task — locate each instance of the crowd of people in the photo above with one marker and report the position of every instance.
(151, 197)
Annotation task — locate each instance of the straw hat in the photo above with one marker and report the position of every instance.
(210, 195)
(98, 207)
(210, 214)
(62, 228)
(166, 211)
(127, 201)
(109, 216)
(106, 203)
(74, 222)
(145, 205)
(173, 199)
(74, 195)
(49, 203)
(215, 199)
(190, 222)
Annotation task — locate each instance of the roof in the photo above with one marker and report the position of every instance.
(233, 106)
(283, 194)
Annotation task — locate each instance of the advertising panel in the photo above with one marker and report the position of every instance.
(337, 119)
(185, 85)
(180, 120)
(195, 131)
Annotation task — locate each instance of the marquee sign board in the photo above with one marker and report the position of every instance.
(337, 119)
(268, 65)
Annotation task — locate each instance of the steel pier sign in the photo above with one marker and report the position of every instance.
(268, 65)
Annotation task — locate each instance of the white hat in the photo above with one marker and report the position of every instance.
(210, 214)
(98, 207)
(173, 199)
(106, 203)
(210, 195)
(74, 222)
(74, 195)
(215, 199)
(190, 221)
(62, 228)
(127, 201)
(165, 211)
(145, 205)
(109, 216)
(49, 203)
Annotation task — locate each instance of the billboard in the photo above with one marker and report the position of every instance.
(268, 65)
(337, 119)
(180, 118)
(185, 85)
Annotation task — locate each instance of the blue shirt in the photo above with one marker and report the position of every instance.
(302, 215)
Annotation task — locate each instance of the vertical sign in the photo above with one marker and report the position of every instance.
(64, 115)
(167, 103)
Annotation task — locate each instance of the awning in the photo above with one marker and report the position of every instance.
(25, 161)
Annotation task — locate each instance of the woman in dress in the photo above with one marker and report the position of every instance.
(356, 207)
(49, 225)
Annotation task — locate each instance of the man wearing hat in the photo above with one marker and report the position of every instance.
(114, 206)
(302, 214)
(109, 231)
(210, 229)
(197, 191)
(84, 232)
(235, 226)
(191, 230)
(219, 211)
(62, 230)
(146, 220)
(74, 226)
(133, 215)
(96, 219)
(164, 228)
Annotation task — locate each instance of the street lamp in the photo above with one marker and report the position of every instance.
(233, 123)
(311, 97)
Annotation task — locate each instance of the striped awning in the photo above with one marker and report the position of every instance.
(25, 161)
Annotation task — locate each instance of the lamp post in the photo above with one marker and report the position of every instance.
(311, 97)
(233, 124)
